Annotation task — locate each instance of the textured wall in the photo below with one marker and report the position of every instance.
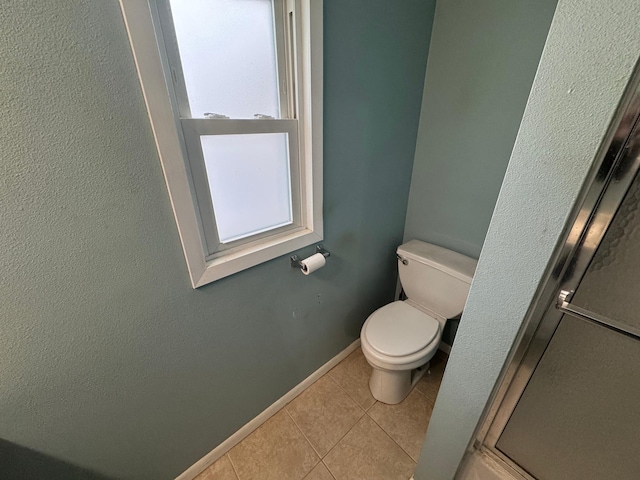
(590, 53)
(110, 360)
(482, 60)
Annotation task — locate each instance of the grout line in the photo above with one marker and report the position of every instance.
(371, 406)
(387, 434)
(346, 433)
(352, 426)
(350, 397)
(345, 391)
(305, 437)
(366, 413)
(325, 466)
(356, 402)
(342, 438)
(431, 400)
(233, 466)
(423, 395)
(414, 388)
(255, 423)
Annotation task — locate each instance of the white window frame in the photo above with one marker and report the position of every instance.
(299, 45)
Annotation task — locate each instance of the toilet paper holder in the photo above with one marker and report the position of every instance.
(295, 260)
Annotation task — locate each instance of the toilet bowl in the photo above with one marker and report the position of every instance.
(399, 339)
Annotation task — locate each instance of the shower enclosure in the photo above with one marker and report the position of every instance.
(569, 404)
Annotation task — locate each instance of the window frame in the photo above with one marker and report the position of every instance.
(176, 137)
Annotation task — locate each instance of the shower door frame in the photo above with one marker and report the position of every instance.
(613, 171)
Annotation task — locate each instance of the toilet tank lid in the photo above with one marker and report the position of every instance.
(453, 263)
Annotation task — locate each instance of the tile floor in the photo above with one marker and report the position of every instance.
(335, 430)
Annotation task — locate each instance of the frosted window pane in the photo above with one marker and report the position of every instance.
(249, 182)
(227, 49)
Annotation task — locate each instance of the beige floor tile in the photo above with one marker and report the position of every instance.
(367, 453)
(320, 472)
(220, 470)
(324, 413)
(429, 384)
(353, 374)
(406, 422)
(275, 451)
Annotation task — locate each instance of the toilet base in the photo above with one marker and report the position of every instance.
(393, 386)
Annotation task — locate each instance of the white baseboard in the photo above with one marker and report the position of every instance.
(197, 468)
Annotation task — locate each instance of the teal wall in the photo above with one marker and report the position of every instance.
(482, 60)
(589, 58)
(110, 360)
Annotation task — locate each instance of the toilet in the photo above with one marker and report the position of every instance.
(399, 339)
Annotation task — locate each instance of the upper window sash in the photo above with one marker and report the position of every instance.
(284, 19)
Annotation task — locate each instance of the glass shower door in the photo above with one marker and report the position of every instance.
(579, 417)
(571, 408)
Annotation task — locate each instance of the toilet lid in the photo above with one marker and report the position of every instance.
(398, 329)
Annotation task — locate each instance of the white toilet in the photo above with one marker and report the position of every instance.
(399, 339)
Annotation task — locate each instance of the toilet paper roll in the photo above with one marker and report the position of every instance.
(313, 263)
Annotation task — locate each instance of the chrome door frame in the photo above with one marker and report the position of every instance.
(613, 171)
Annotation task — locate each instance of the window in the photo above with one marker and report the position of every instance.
(234, 94)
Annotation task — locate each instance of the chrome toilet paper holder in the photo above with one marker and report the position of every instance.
(295, 260)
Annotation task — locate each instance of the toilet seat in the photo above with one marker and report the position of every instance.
(407, 360)
(398, 329)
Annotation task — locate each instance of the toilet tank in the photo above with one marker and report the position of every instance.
(434, 277)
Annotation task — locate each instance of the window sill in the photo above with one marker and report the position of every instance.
(249, 255)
